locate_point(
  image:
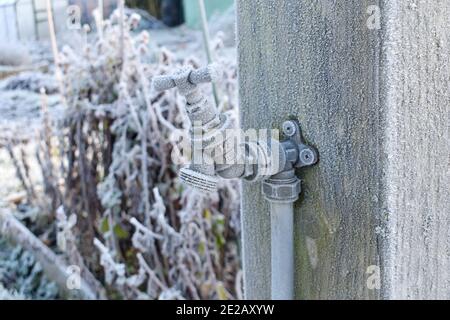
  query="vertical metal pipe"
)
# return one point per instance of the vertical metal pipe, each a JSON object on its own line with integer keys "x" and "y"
{"x": 282, "y": 250}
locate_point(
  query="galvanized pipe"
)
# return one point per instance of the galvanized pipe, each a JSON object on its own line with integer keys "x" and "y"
{"x": 282, "y": 250}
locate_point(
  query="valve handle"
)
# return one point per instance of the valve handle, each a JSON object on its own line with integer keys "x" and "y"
{"x": 202, "y": 75}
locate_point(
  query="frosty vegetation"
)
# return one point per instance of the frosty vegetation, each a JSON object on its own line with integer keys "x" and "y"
{"x": 111, "y": 202}
{"x": 23, "y": 276}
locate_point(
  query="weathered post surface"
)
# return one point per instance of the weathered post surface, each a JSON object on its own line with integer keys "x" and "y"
{"x": 375, "y": 102}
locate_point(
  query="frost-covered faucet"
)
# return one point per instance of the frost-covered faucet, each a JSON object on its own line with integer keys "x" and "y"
{"x": 219, "y": 153}
{"x": 206, "y": 122}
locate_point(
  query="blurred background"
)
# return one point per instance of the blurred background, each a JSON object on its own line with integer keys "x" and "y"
{"x": 26, "y": 19}
{"x": 90, "y": 203}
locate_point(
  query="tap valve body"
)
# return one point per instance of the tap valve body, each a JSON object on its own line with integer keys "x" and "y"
{"x": 218, "y": 152}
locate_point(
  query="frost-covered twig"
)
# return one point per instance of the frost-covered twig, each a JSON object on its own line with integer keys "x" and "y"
{"x": 44, "y": 157}
{"x": 67, "y": 243}
{"x": 114, "y": 272}
{"x": 207, "y": 43}
{"x": 20, "y": 173}
{"x": 52, "y": 32}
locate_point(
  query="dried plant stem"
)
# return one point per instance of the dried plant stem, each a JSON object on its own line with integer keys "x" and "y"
{"x": 151, "y": 273}
{"x": 50, "y": 177}
{"x": 26, "y": 168}
{"x": 122, "y": 28}
{"x": 100, "y": 19}
{"x": 207, "y": 44}
{"x": 20, "y": 174}
{"x": 52, "y": 32}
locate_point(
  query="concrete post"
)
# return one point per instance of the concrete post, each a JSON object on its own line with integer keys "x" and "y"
{"x": 369, "y": 81}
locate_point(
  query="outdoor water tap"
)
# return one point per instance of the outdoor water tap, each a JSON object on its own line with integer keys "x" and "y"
{"x": 218, "y": 153}
{"x": 273, "y": 162}
{"x": 207, "y": 123}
